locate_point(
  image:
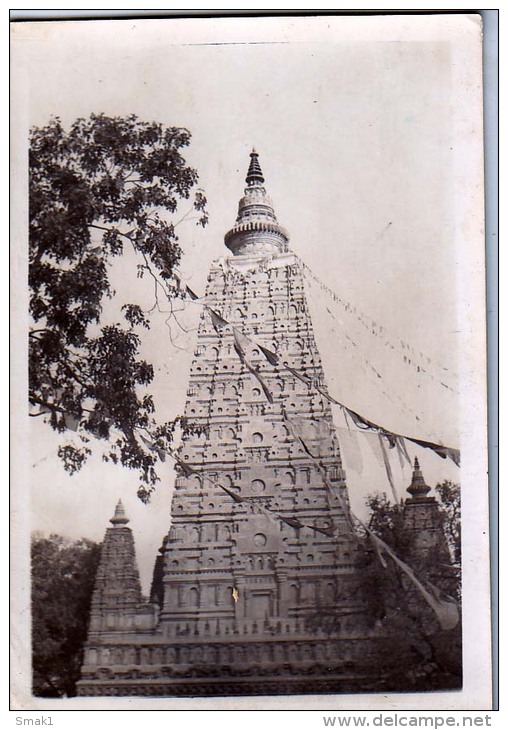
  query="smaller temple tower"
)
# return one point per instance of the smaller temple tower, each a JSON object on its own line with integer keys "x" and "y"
{"x": 424, "y": 522}
{"x": 428, "y": 554}
{"x": 120, "y": 616}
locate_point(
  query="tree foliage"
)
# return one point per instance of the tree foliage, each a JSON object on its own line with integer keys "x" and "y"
{"x": 63, "y": 574}
{"x": 105, "y": 185}
{"x": 449, "y": 497}
{"x": 386, "y": 520}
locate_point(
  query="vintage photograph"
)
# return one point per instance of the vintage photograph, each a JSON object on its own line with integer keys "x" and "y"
{"x": 250, "y": 411}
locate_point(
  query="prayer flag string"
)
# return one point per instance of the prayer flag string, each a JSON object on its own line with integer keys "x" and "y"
{"x": 417, "y": 360}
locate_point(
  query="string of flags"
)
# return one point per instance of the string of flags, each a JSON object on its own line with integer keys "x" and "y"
{"x": 410, "y": 356}
{"x": 253, "y": 503}
{"x": 394, "y": 440}
{"x": 367, "y": 367}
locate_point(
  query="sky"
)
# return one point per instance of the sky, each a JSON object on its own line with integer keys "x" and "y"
{"x": 367, "y": 143}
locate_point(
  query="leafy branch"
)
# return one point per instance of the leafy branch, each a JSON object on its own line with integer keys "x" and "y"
{"x": 106, "y": 181}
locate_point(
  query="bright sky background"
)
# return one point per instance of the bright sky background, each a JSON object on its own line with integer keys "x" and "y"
{"x": 362, "y": 141}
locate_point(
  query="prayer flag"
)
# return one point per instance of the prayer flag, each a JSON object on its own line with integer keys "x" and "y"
{"x": 241, "y": 340}
{"x": 217, "y": 321}
{"x": 270, "y": 356}
{"x": 241, "y": 354}
{"x": 388, "y": 467}
{"x": 351, "y": 450}
{"x": 299, "y": 375}
{"x": 231, "y": 494}
{"x": 328, "y": 531}
{"x": 401, "y": 448}
{"x": 187, "y": 470}
{"x": 71, "y": 421}
{"x": 442, "y": 451}
{"x": 291, "y": 521}
{"x": 147, "y": 443}
{"x": 446, "y": 610}
{"x": 192, "y": 294}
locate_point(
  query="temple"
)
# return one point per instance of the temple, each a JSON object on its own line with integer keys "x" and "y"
{"x": 427, "y": 549}
{"x": 255, "y": 588}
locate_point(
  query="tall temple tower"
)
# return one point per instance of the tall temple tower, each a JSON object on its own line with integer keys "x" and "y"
{"x": 254, "y": 589}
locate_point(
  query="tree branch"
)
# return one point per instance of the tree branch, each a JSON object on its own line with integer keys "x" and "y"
{"x": 33, "y": 399}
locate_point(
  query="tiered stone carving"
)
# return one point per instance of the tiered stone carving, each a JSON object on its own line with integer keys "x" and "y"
{"x": 219, "y": 549}
{"x": 119, "y": 616}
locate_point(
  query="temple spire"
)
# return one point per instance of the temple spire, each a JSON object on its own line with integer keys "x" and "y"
{"x": 119, "y": 518}
{"x": 418, "y": 488}
{"x": 256, "y": 230}
{"x": 254, "y": 173}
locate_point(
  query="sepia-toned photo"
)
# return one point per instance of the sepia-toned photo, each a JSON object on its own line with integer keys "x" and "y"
{"x": 250, "y": 454}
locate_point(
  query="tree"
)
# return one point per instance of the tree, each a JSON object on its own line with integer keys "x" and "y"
{"x": 386, "y": 520}
{"x": 106, "y": 184}
{"x": 63, "y": 574}
{"x": 449, "y": 497}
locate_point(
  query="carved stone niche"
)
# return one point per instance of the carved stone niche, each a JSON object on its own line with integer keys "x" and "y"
{"x": 260, "y": 535}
